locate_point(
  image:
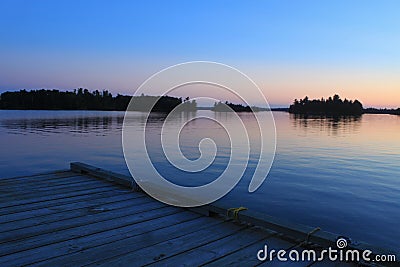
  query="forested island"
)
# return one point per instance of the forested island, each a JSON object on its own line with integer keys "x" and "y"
{"x": 331, "y": 106}
{"x": 82, "y": 99}
{"x": 229, "y": 107}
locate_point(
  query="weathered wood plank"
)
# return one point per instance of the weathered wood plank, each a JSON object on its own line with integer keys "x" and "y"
{"x": 214, "y": 250}
{"x": 151, "y": 232}
{"x": 117, "y": 178}
{"x": 41, "y": 179}
{"x": 24, "y": 219}
{"x": 55, "y": 222}
{"x": 24, "y": 193}
{"x": 51, "y": 190}
{"x": 58, "y": 202}
{"x": 17, "y": 185}
{"x": 86, "y": 226}
{"x": 36, "y": 175}
{"x": 248, "y": 255}
{"x": 159, "y": 220}
{"x": 76, "y": 192}
{"x": 173, "y": 246}
{"x": 244, "y": 257}
{"x": 53, "y": 176}
{"x": 129, "y": 244}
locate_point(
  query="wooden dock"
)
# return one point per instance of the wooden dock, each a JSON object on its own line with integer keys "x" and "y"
{"x": 86, "y": 216}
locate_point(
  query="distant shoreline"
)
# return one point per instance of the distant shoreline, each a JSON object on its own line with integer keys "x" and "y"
{"x": 286, "y": 110}
{"x": 82, "y": 99}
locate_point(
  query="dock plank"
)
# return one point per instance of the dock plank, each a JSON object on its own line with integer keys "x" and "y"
{"x": 76, "y": 192}
{"x": 29, "y": 192}
{"x": 173, "y": 246}
{"x": 246, "y": 255}
{"x": 57, "y": 202}
{"x": 27, "y": 218}
{"x": 42, "y": 226}
{"x": 85, "y": 227}
{"x": 31, "y": 187}
{"x": 70, "y": 247}
{"x": 47, "y": 179}
{"x": 215, "y": 250}
{"x": 136, "y": 241}
{"x": 48, "y": 254}
{"x": 38, "y": 176}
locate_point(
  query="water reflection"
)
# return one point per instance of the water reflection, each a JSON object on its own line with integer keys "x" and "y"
{"x": 328, "y": 124}
{"x": 72, "y": 125}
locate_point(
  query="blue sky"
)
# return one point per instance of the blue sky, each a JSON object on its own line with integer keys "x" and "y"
{"x": 290, "y": 48}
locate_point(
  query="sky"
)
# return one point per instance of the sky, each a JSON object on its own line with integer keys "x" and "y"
{"x": 289, "y": 48}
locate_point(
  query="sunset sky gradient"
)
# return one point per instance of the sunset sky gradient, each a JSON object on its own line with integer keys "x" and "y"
{"x": 289, "y": 48}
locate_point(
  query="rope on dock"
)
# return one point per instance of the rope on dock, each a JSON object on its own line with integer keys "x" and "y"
{"x": 235, "y": 212}
{"x": 309, "y": 234}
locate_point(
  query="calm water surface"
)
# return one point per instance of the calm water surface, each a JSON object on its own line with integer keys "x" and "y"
{"x": 342, "y": 175}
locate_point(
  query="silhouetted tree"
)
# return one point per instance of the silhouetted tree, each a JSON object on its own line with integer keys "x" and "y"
{"x": 332, "y": 106}
{"x": 82, "y": 99}
{"x": 227, "y": 107}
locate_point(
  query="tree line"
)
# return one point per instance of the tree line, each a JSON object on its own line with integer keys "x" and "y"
{"x": 229, "y": 107}
{"x": 331, "y": 106}
{"x": 82, "y": 99}
{"x": 382, "y": 111}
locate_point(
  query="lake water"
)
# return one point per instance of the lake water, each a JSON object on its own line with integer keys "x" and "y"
{"x": 342, "y": 175}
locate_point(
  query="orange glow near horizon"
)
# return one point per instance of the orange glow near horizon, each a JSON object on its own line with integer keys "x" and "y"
{"x": 281, "y": 84}
{"x": 380, "y": 90}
